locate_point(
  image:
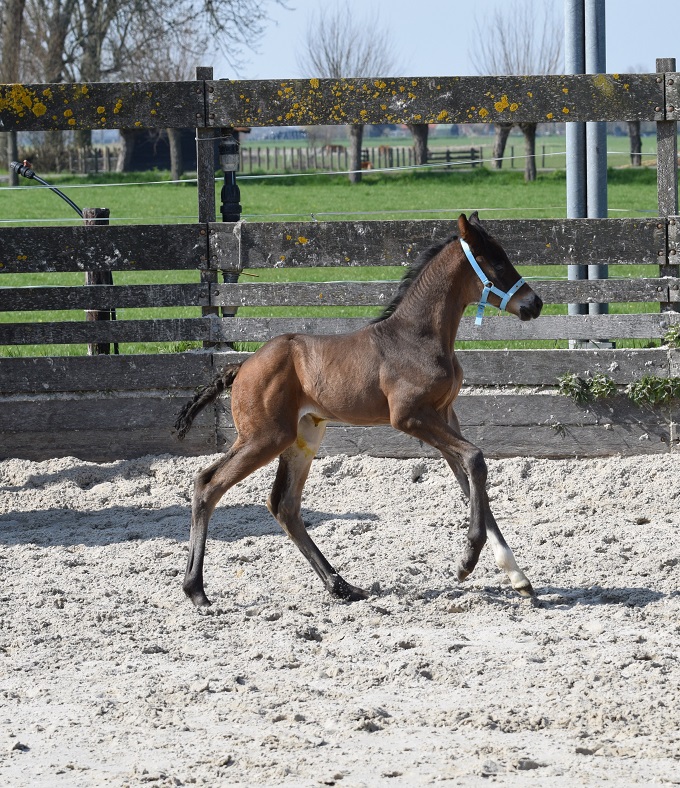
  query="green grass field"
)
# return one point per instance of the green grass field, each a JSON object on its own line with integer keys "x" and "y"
{"x": 410, "y": 195}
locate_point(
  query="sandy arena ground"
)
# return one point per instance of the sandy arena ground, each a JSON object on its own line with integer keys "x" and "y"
{"x": 108, "y": 676}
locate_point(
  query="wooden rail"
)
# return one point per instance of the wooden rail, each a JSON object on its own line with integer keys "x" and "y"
{"x": 105, "y": 407}
{"x": 533, "y": 98}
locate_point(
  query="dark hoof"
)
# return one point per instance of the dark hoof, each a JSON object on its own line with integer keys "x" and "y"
{"x": 198, "y": 597}
{"x": 341, "y": 589}
{"x": 462, "y": 573}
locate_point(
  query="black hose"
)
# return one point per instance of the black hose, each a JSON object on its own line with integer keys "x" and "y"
{"x": 27, "y": 172}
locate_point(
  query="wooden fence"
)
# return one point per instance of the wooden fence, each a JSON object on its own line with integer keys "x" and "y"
{"x": 333, "y": 158}
{"x": 106, "y": 407}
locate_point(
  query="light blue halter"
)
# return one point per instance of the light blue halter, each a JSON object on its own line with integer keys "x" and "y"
{"x": 489, "y": 287}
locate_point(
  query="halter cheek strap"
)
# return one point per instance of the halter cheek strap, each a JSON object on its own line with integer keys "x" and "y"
{"x": 489, "y": 287}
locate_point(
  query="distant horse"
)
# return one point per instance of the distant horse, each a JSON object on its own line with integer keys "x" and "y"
{"x": 400, "y": 369}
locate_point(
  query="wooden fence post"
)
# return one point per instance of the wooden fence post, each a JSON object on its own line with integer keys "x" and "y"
{"x": 91, "y": 218}
{"x": 667, "y": 179}
{"x": 205, "y": 176}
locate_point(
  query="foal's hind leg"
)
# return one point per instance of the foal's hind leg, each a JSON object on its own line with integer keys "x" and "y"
{"x": 211, "y": 484}
{"x": 284, "y": 504}
{"x": 501, "y": 551}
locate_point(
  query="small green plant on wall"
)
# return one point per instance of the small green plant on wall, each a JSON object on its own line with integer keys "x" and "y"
{"x": 582, "y": 390}
{"x": 653, "y": 390}
{"x": 650, "y": 390}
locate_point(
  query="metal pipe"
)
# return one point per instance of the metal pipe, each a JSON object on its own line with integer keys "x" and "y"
{"x": 596, "y": 133}
{"x": 574, "y": 63}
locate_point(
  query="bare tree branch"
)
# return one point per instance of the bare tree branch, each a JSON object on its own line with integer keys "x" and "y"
{"x": 523, "y": 37}
{"x": 337, "y": 45}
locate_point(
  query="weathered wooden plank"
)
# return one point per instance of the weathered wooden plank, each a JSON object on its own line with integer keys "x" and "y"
{"x": 380, "y": 293}
{"x": 245, "y": 329}
{"x": 526, "y": 409}
{"x": 604, "y": 291}
{"x": 544, "y": 367}
{"x": 15, "y": 299}
{"x": 108, "y": 411}
{"x": 496, "y": 442}
{"x": 189, "y": 370}
{"x": 555, "y": 411}
{"x": 98, "y": 446}
{"x": 168, "y": 330}
{"x": 396, "y": 243}
{"x": 635, "y": 326}
{"x": 237, "y": 329}
{"x": 115, "y": 248}
{"x": 171, "y": 372}
{"x": 672, "y": 93}
{"x": 487, "y": 99}
{"x": 629, "y": 326}
{"x": 304, "y": 293}
{"x": 674, "y": 359}
{"x": 101, "y": 105}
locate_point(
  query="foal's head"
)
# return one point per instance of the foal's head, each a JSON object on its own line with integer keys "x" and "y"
{"x": 498, "y": 270}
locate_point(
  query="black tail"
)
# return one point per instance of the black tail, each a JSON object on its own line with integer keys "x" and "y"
{"x": 205, "y": 396}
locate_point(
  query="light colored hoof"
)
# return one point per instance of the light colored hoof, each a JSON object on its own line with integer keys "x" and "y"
{"x": 525, "y": 589}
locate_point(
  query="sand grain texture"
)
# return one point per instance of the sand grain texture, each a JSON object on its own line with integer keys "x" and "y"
{"x": 108, "y": 676}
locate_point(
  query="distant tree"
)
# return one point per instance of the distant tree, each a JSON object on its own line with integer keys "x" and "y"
{"x": 420, "y": 132}
{"x": 164, "y": 61}
{"x": 98, "y": 40}
{"x": 338, "y": 44}
{"x": 11, "y": 23}
{"x": 522, "y": 37}
{"x": 634, "y": 129}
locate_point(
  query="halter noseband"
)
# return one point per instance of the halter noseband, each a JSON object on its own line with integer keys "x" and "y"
{"x": 489, "y": 287}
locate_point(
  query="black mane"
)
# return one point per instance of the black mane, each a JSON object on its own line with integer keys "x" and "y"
{"x": 411, "y": 275}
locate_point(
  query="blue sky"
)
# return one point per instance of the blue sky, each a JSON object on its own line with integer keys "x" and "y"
{"x": 432, "y": 37}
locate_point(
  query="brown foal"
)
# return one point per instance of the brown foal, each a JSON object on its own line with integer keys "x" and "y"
{"x": 400, "y": 369}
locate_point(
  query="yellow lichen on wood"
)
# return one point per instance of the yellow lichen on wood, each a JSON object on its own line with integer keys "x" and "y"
{"x": 17, "y": 99}
{"x": 603, "y": 84}
{"x": 503, "y": 104}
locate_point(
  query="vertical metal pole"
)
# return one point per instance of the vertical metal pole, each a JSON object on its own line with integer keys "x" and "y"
{"x": 667, "y": 176}
{"x": 596, "y": 133}
{"x": 575, "y": 63}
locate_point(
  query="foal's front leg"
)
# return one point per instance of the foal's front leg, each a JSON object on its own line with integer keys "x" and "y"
{"x": 428, "y": 425}
{"x": 502, "y": 553}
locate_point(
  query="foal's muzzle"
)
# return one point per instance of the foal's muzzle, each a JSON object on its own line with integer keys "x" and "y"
{"x": 530, "y": 308}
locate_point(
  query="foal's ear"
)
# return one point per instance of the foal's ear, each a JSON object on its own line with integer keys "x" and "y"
{"x": 463, "y": 225}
